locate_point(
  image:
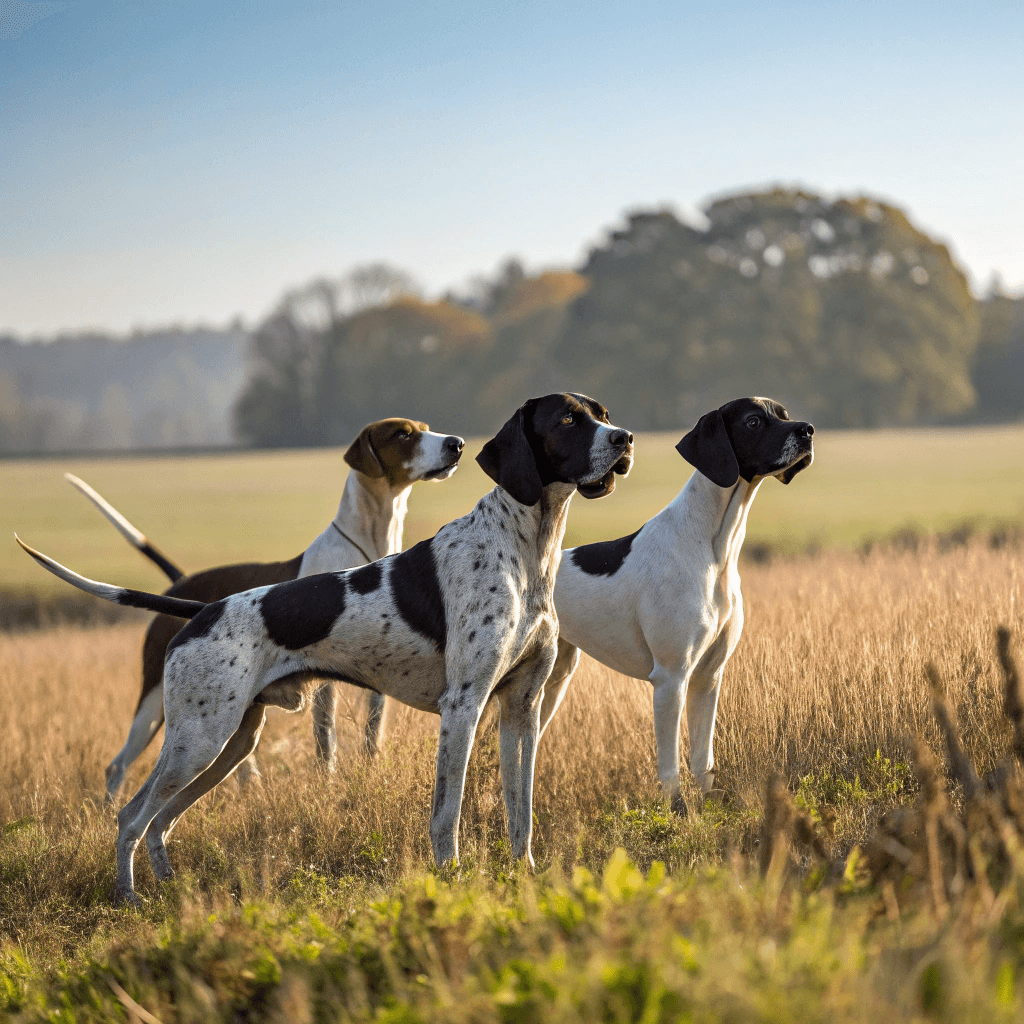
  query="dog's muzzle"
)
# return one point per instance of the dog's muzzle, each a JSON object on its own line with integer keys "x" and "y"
{"x": 452, "y": 447}
{"x": 606, "y": 484}
{"x": 802, "y": 453}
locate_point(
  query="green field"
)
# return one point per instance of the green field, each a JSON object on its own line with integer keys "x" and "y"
{"x": 208, "y": 509}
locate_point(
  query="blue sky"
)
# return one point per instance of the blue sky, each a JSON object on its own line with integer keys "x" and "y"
{"x": 185, "y": 162}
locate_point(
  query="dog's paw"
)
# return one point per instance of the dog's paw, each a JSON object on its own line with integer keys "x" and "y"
{"x": 129, "y": 900}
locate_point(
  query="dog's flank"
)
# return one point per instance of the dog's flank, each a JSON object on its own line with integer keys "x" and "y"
{"x": 491, "y": 575}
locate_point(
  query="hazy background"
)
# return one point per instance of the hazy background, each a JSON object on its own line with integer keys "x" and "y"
{"x": 170, "y": 171}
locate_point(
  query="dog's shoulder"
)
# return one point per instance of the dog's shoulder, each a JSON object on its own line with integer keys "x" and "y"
{"x": 603, "y": 558}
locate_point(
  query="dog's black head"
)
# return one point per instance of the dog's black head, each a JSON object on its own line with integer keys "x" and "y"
{"x": 748, "y": 437}
{"x": 558, "y": 438}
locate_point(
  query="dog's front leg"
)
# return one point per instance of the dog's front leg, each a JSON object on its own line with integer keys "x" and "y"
{"x": 521, "y": 696}
{"x": 701, "y": 710}
{"x": 459, "y": 718}
{"x": 566, "y": 662}
{"x": 669, "y": 698}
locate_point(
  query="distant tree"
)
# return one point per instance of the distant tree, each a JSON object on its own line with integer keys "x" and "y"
{"x": 278, "y": 405}
{"x": 998, "y": 364}
{"x": 842, "y": 308}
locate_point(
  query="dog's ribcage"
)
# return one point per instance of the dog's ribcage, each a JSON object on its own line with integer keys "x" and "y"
{"x": 448, "y": 609}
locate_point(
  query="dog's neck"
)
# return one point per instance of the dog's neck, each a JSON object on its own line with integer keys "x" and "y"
{"x": 719, "y": 513}
{"x": 541, "y": 526}
{"x": 371, "y": 513}
{"x": 552, "y": 514}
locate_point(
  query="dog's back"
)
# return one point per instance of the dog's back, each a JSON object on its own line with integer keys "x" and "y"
{"x": 206, "y": 586}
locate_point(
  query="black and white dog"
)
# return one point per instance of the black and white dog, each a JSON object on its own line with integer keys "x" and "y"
{"x": 442, "y": 627}
{"x": 664, "y": 603}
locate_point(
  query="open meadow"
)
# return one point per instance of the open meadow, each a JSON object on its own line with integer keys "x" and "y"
{"x": 210, "y": 509}
{"x": 307, "y": 897}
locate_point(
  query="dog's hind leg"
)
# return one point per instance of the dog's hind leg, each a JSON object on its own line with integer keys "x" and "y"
{"x": 373, "y": 734}
{"x": 181, "y": 759}
{"x": 325, "y": 704}
{"x": 147, "y": 721}
{"x": 566, "y": 662}
{"x": 236, "y": 751}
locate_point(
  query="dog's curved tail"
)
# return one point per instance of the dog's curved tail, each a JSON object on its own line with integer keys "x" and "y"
{"x": 135, "y": 537}
{"x": 119, "y": 595}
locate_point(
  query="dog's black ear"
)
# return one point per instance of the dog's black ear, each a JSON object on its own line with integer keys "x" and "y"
{"x": 509, "y": 461}
{"x": 708, "y": 449}
{"x": 363, "y": 457}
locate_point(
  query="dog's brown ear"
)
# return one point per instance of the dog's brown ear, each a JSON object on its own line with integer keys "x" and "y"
{"x": 363, "y": 457}
{"x": 708, "y": 449}
{"x": 509, "y": 461}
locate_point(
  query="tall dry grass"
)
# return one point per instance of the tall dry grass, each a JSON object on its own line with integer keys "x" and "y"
{"x": 828, "y": 675}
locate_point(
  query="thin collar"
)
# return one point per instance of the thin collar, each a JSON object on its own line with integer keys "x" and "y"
{"x": 352, "y": 542}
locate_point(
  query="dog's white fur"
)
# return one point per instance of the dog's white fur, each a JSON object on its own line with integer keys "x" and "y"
{"x": 671, "y": 614}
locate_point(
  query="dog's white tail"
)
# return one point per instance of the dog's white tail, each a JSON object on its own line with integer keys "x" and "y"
{"x": 134, "y": 536}
{"x": 119, "y": 595}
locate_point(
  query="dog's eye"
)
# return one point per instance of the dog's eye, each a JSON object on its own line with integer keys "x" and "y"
{"x": 568, "y": 419}
{"x": 403, "y": 435}
{"x": 754, "y": 422}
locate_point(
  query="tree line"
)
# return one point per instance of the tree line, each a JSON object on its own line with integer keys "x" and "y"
{"x": 842, "y": 309}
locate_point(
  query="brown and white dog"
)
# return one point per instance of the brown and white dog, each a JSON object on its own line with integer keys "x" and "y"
{"x": 387, "y": 458}
{"x": 443, "y": 627}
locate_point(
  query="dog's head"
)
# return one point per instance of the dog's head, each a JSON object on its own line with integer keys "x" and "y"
{"x": 404, "y": 451}
{"x": 748, "y": 437}
{"x": 562, "y": 438}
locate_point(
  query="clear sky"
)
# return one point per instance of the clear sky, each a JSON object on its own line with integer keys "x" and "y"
{"x": 186, "y": 161}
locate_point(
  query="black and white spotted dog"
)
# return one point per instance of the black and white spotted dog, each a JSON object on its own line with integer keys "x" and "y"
{"x": 442, "y": 627}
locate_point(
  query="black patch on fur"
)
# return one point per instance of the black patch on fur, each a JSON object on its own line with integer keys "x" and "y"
{"x": 201, "y": 626}
{"x": 417, "y": 593}
{"x": 302, "y": 612}
{"x": 604, "y": 558}
{"x": 366, "y": 579}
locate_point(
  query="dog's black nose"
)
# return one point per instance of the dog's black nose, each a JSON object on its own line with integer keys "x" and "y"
{"x": 805, "y": 429}
{"x": 620, "y": 438}
{"x": 453, "y": 444}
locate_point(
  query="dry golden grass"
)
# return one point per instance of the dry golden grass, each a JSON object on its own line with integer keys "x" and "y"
{"x": 829, "y": 673}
